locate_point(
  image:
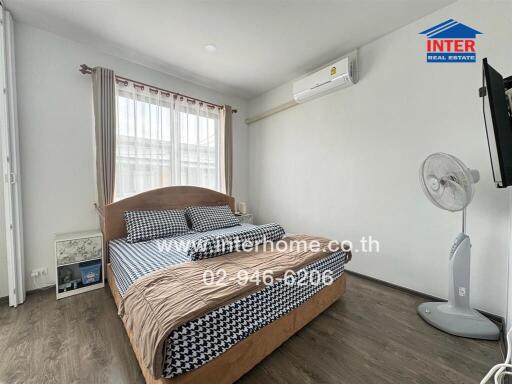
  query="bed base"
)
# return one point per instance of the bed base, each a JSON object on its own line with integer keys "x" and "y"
{"x": 243, "y": 356}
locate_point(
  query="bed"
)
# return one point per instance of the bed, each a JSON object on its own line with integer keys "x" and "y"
{"x": 220, "y": 345}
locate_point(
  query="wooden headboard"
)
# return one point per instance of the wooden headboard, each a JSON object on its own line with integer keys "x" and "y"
{"x": 162, "y": 198}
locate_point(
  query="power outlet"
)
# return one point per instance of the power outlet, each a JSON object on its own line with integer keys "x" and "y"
{"x": 39, "y": 272}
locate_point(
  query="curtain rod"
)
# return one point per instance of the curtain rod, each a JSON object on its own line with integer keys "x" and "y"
{"x": 86, "y": 70}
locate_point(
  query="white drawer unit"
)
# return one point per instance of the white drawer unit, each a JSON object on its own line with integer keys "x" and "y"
{"x": 78, "y": 263}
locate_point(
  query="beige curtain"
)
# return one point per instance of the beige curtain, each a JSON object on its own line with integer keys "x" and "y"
{"x": 226, "y": 136}
{"x": 103, "y": 88}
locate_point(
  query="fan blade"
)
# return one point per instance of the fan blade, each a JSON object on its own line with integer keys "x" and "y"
{"x": 456, "y": 195}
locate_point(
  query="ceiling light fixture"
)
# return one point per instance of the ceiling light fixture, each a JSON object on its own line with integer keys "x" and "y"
{"x": 210, "y": 48}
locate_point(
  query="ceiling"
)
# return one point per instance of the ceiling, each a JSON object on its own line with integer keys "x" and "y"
{"x": 260, "y": 43}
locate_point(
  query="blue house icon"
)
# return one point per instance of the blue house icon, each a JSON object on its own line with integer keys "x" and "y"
{"x": 451, "y": 29}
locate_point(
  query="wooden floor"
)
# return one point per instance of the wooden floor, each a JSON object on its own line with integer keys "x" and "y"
{"x": 371, "y": 335}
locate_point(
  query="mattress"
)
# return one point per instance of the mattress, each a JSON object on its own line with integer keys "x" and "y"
{"x": 131, "y": 261}
{"x": 198, "y": 341}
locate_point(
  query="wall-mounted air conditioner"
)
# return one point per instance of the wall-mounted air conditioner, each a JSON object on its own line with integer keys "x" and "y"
{"x": 340, "y": 74}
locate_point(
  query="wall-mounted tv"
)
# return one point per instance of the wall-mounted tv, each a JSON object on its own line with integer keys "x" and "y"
{"x": 496, "y": 93}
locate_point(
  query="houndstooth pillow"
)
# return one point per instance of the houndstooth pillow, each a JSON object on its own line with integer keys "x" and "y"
{"x": 210, "y": 218}
{"x": 147, "y": 225}
{"x": 217, "y": 245}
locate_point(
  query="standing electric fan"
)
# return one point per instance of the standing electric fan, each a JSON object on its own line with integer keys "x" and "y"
{"x": 448, "y": 184}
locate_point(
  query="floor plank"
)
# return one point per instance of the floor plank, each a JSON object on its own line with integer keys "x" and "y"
{"x": 371, "y": 335}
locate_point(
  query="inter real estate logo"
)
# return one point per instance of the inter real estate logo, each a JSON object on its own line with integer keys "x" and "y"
{"x": 451, "y": 42}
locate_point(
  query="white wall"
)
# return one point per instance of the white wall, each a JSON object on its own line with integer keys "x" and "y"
{"x": 346, "y": 165}
{"x": 56, "y": 125}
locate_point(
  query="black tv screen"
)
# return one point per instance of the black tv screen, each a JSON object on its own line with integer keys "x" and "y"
{"x": 498, "y": 123}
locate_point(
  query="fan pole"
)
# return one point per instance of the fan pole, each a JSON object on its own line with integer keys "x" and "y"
{"x": 464, "y": 220}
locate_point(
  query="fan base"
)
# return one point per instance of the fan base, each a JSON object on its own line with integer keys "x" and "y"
{"x": 458, "y": 322}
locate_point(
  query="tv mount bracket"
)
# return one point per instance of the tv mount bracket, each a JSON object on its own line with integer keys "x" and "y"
{"x": 507, "y": 83}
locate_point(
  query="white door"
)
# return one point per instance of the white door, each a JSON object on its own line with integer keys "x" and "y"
{"x": 4, "y": 287}
{"x": 10, "y": 163}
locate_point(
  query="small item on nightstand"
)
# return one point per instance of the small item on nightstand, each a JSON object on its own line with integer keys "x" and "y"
{"x": 242, "y": 207}
{"x": 90, "y": 272}
{"x": 69, "y": 286}
{"x": 65, "y": 275}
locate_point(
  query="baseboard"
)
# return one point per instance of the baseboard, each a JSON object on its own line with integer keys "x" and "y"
{"x": 36, "y": 290}
{"x": 31, "y": 292}
{"x": 5, "y": 299}
{"x": 497, "y": 319}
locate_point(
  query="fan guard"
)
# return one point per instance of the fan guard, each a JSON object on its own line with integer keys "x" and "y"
{"x": 447, "y": 182}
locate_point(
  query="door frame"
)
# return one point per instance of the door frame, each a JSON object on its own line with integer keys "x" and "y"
{"x": 9, "y": 141}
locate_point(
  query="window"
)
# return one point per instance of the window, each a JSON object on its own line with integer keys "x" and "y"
{"x": 163, "y": 141}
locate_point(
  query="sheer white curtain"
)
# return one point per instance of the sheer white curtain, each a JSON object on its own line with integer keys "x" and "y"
{"x": 163, "y": 140}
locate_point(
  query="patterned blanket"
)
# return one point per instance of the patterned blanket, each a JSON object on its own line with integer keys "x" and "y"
{"x": 159, "y": 302}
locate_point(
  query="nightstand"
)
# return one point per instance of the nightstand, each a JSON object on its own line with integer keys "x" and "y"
{"x": 78, "y": 263}
{"x": 245, "y": 218}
